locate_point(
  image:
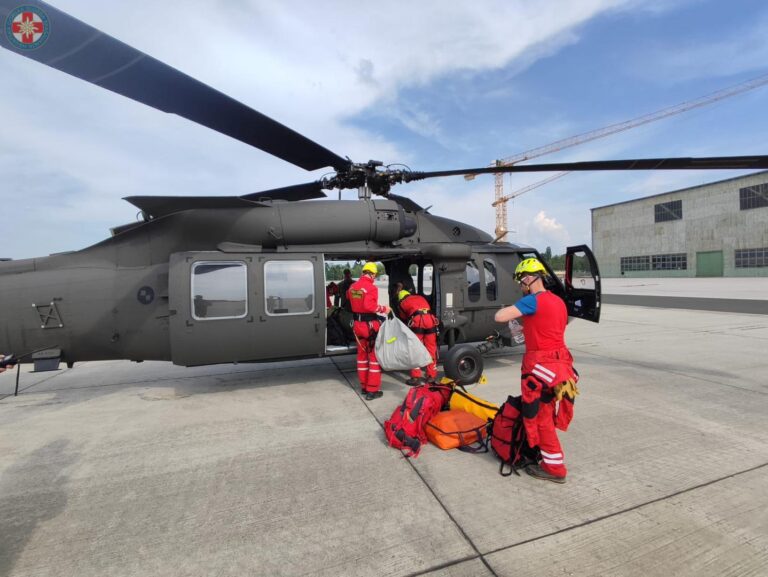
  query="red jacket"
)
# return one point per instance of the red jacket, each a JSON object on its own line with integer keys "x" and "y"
{"x": 415, "y": 311}
{"x": 363, "y": 295}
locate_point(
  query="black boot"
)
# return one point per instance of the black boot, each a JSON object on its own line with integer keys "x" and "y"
{"x": 373, "y": 395}
{"x": 537, "y": 472}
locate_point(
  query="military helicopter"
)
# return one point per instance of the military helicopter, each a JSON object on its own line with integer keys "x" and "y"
{"x": 222, "y": 279}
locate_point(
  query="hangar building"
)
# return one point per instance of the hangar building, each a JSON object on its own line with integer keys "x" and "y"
{"x": 715, "y": 229}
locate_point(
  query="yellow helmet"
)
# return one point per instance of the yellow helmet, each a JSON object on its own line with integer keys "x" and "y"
{"x": 529, "y": 266}
{"x": 371, "y": 267}
{"x": 402, "y": 294}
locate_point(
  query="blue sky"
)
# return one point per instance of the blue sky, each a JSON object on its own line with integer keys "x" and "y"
{"x": 434, "y": 85}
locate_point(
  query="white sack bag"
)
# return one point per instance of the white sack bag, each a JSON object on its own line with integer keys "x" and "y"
{"x": 398, "y": 349}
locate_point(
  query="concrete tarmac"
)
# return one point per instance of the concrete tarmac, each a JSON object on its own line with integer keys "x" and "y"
{"x": 734, "y": 295}
{"x": 744, "y": 288}
{"x": 120, "y": 469}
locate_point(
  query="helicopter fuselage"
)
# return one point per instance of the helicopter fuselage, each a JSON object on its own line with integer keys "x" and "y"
{"x": 203, "y": 286}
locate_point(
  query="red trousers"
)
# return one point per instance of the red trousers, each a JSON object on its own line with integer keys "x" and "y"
{"x": 542, "y": 370}
{"x": 368, "y": 369}
{"x": 430, "y": 342}
{"x": 552, "y": 458}
{"x": 421, "y": 325}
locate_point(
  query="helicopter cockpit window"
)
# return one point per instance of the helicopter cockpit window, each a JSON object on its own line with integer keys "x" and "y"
{"x": 473, "y": 281}
{"x": 219, "y": 290}
{"x": 490, "y": 279}
{"x": 289, "y": 287}
{"x": 582, "y": 275}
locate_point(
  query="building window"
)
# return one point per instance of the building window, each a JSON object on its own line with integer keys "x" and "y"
{"x": 669, "y": 261}
{"x": 289, "y": 287}
{"x": 751, "y": 257}
{"x": 668, "y": 211}
{"x": 634, "y": 263}
{"x": 753, "y": 197}
{"x": 219, "y": 290}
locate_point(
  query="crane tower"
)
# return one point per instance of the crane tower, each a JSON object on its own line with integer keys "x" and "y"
{"x": 500, "y": 200}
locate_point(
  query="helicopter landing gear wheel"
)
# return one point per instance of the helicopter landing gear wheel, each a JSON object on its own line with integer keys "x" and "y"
{"x": 464, "y": 364}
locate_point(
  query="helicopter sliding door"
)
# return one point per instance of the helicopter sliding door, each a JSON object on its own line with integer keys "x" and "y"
{"x": 233, "y": 307}
{"x": 290, "y": 318}
{"x": 582, "y": 283}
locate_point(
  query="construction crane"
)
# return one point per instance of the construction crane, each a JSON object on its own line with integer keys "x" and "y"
{"x": 500, "y": 201}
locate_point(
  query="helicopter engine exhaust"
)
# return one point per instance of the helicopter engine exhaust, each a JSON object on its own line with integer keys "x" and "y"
{"x": 285, "y": 223}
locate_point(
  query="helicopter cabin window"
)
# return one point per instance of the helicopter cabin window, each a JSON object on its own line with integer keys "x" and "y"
{"x": 490, "y": 279}
{"x": 427, "y": 272}
{"x": 219, "y": 290}
{"x": 289, "y": 287}
{"x": 473, "y": 281}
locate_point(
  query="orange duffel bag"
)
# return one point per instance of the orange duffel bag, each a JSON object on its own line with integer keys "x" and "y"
{"x": 456, "y": 429}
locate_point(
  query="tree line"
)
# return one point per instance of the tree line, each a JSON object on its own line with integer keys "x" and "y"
{"x": 335, "y": 271}
{"x": 557, "y": 261}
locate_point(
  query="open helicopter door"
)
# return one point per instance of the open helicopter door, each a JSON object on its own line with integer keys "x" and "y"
{"x": 238, "y": 307}
{"x": 582, "y": 283}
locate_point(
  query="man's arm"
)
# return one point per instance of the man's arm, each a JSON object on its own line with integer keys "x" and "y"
{"x": 507, "y": 314}
{"x": 525, "y": 306}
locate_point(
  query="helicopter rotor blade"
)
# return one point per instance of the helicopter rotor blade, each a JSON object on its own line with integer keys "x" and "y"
{"x": 703, "y": 163}
{"x": 71, "y": 46}
{"x": 158, "y": 206}
{"x": 296, "y": 192}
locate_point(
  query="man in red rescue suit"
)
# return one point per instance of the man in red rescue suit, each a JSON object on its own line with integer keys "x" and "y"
{"x": 363, "y": 295}
{"x": 548, "y": 378}
{"x": 414, "y": 310}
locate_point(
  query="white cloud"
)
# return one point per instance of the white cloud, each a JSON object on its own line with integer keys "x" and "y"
{"x": 309, "y": 65}
{"x": 546, "y": 224}
{"x": 73, "y": 150}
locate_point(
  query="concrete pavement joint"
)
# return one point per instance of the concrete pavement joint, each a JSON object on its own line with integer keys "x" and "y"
{"x": 21, "y": 390}
{"x": 450, "y": 564}
{"x": 436, "y": 497}
{"x": 628, "y": 509}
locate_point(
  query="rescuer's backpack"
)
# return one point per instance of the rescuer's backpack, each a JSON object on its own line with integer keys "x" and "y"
{"x": 406, "y": 428}
{"x": 335, "y": 334}
{"x": 339, "y": 326}
{"x": 508, "y": 438}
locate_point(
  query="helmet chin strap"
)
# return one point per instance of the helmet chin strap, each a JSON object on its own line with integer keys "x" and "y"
{"x": 527, "y": 285}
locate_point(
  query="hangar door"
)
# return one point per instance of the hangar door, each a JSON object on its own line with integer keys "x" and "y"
{"x": 709, "y": 263}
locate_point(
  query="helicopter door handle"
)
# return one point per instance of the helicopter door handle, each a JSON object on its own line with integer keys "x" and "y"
{"x": 190, "y": 324}
{"x": 250, "y": 319}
